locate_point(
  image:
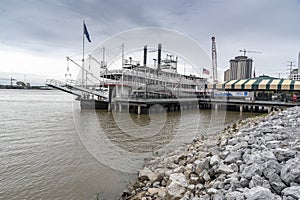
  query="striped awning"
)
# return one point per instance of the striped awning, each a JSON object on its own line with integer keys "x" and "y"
{"x": 260, "y": 83}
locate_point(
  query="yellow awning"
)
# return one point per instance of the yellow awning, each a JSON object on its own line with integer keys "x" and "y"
{"x": 248, "y": 85}
{"x": 229, "y": 84}
{"x": 286, "y": 85}
{"x": 263, "y": 84}
{"x": 210, "y": 86}
{"x": 297, "y": 85}
{"x": 239, "y": 84}
{"x": 274, "y": 84}
{"x": 219, "y": 86}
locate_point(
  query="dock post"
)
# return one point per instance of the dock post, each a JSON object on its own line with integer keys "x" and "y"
{"x": 120, "y": 107}
{"x": 115, "y": 107}
{"x": 139, "y": 109}
{"x": 216, "y": 106}
{"x": 241, "y": 108}
{"x": 109, "y": 107}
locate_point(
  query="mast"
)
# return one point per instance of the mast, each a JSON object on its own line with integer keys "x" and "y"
{"x": 145, "y": 65}
{"x": 103, "y": 54}
{"x": 103, "y": 66}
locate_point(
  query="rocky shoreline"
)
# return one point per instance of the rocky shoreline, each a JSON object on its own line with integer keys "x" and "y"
{"x": 258, "y": 158}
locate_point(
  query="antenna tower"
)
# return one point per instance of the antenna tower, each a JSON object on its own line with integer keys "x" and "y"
{"x": 290, "y": 67}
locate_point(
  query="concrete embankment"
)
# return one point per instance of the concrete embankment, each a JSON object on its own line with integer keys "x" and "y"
{"x": 258, "y": 158}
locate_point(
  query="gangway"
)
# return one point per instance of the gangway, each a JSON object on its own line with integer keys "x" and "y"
{"x": 74, "y": 87}
{"x": 61, "y": 86}
{"x": 100, "y": 93}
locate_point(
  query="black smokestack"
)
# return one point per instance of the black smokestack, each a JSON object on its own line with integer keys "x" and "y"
{"x": 159, "y": 57}
{"x": 145, "y": 55}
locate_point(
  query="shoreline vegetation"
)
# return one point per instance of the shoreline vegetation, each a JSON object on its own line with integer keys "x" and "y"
{"x": 257, "y": 158}
{"x": 25, "y": 87}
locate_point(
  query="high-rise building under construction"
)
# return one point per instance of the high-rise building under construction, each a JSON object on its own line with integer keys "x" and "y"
{"x": 240, "y": 67}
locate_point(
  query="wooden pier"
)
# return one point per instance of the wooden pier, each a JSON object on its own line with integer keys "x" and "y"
{"x": 141, "y": 105}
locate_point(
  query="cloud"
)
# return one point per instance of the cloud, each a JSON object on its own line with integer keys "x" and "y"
{"x": 54, "y": 27}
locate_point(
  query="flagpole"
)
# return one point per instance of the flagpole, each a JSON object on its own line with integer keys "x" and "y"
{"x": 82, "y": 54}
{"x": 122, "y": 69}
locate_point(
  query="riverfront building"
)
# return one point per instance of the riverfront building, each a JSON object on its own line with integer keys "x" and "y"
{"x": 295, "y": 74}
{"x": 227, "y": 75}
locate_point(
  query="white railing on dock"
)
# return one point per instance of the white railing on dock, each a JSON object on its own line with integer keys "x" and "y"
{"x": 100, "y": 93}
{"x": 55, "y": 82}
{"x": 73, "y": 82}
{"x": 62, "y": 83}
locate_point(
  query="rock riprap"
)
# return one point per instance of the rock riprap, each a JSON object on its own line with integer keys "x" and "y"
{"x": 257, "y": 158}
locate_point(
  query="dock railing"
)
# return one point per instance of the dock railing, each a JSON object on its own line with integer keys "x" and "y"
{"x": 55, "y": 82}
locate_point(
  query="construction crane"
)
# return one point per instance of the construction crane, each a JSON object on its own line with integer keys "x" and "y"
{"x": 247, "y": 51}
{"x": 9, "y": 79}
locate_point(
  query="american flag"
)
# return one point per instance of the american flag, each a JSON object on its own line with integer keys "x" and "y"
{"x": 205, "y": 71}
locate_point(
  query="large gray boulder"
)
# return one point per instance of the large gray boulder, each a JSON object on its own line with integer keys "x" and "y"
{"x": 225, "y": 169}
{"x": 177, "y": 188}
{"x": 234, "y": 196}
{"x": 179, "y": 178}
{"x": 293, "y": 191}
{"x": 271, "y": 167}
{"x": 147, "y": 174}
{"x": 252, "y": 170}
{"x": 218, "y": 196}
{"x": 276, "y": 183}
{"x": 233, "y": 156}
{"x": 260, "y": 193}
{"x": 214, "y": 160}
{"x": 256, "y": 181}
{"x": 239, "y": 146}
{"x": 202, "y": 165}
{"x": 290, "y": 172}
{"x": 175, "y": 191}
{"x": 283, "y": 154}
{"x": 161, "y": 192}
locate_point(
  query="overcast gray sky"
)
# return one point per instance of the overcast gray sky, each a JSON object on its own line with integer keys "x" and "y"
{"x": 36, "y": 35}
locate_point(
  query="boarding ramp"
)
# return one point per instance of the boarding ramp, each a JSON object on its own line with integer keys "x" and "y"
{"x": 59, "y": 85}
{"x": 98, "y": 93}
{"x": 75, "y": 87}
{"x": 93, "y": 90}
